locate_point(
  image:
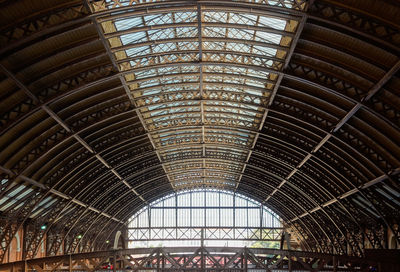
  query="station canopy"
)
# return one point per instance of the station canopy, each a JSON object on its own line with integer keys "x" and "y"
{"x": 109, "y": 105}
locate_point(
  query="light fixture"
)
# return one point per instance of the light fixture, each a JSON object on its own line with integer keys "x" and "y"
{"x": 79, "y": 236}
{"x": 43, "y": 227}
{"x": 108, "y": 241}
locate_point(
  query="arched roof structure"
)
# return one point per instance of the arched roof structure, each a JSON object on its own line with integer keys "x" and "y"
{"x": 108, "y": 105}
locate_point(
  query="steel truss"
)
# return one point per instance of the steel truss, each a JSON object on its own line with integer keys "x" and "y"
{"x": 196, "y": 259}
{"x": 322, "y": 152}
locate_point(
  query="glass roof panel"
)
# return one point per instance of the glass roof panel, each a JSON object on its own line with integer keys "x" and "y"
{"x": 201, "y": 86}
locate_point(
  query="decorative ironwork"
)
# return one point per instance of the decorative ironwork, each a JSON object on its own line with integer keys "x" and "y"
{"x": 351, "y": 19}
{"x": 33, "y": 27}
{"x": 200, "y": 258}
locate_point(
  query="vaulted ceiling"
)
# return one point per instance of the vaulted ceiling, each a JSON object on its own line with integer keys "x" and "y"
{"x": 109, "y": 105}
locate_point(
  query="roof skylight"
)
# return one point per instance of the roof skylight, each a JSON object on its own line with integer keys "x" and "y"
{"x": 201, "y": 78}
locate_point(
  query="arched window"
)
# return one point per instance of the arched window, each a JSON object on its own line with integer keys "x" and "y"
{"x": 213, "y": 216}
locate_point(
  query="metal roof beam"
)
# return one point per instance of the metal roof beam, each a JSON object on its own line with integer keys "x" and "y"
{"x": 189, "y": 74}
{"x": 196, "y": 64}
{"x": 211, "y": 83}
{"x": 195, "y": 24}
{"x": 355, "y": 108}
{"x": 177, "y": 6}
{"x": 276, "y": 86}
{"x": 60, "y": 121}
{"x": 349, "y": 193}
{"x": 122, "y": 79}
{"x": 196, "y": 39}
{"x": 56, "y": 193}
